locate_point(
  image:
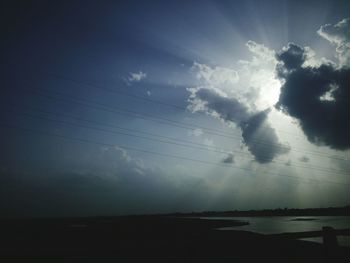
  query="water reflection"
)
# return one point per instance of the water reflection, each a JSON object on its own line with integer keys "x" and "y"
{"x": 283, "y": 224}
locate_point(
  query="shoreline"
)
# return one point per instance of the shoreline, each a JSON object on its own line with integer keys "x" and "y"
{"x": 160, "y": 239}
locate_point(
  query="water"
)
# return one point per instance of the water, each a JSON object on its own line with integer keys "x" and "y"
{"x": 284, "y": 224}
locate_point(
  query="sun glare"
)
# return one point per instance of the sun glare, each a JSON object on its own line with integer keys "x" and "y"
{"x": 270, "y": 90}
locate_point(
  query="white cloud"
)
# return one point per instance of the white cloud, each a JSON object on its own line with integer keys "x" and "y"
{"x": 136, "y": 76}
{"x": 196, "y": 132}
{"x": 115, "y": 161}
{"x": 260, "y": 87}
{"x": 338, "y": 35}
{"x": 215, "y": 75}
{"x": 253, "y": 83}
{"x": 262, "y": 54}
{"x": 219, "y": 79}
{"x": 241, "y": 97}
{"x": 312, "y": 60}
{"x": 329, "y": 95}
{"x": 208, "y": 142}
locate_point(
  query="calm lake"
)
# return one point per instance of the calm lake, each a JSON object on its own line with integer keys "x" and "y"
{"x": 283, "y": 224}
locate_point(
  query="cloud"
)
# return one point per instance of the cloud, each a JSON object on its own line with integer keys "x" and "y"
{"x": 317, "y": 96}
{"x": 196, "y": 132}
{"x": 262, "y": 54}
{"x": 136, "y": 76}
{"x": 215, "y": 75}
{"x": 241, "y": 97}
{"x": 259, "y": 84}
{"x": 259, "y": 137}
{"x": 304, "y": 159}
{"x": 228, "y": 159}
{"x": 338, "y": 35}
{"x": 116, "y": 162}
{"x": 217, "y": 105}
{"x": 109, "y": 182}
{"x": 208, "y": 142}
{"x": 252, "y": 83}
{"x": 292, "y": 56}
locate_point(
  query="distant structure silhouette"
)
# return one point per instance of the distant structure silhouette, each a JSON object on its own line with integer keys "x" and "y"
{"x": 330, "y": 243}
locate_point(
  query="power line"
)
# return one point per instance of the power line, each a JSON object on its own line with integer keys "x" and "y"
{"x": 321, "y": 169}
{"x": 93, "y": 85}
{"x": 116, "y": 127}
{"x": 107, "y": 108}
{"x": 116, "y": 109}
{"x": 132, "y": 95}
{"x": 167, "y": 155}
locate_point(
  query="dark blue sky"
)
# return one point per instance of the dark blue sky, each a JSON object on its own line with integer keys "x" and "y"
{"x": 163, "y": 106}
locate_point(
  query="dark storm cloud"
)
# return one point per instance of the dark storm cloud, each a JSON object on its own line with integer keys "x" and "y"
{"x": 317, "y": 96}
{"x": 292, "y": 59}
{"x": 259, "y": 137}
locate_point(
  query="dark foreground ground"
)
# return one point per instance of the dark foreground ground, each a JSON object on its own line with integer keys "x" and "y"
{"x": 150, "y": 239}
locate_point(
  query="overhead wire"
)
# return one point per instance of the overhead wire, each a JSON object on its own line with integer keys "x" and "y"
{"x": 118, "y": 90}
{"x": 169, "y": 140}
{"x": 165, "y": 121}
{"x": 166, "y": 155}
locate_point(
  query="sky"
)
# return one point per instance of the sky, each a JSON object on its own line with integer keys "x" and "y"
{"x": 140, "y": 107}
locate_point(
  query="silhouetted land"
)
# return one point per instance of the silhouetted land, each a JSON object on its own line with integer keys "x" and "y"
{"x": 303, "y": 219}
{"x": 150, "y": 239}
{"x": 330, "y": 211}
